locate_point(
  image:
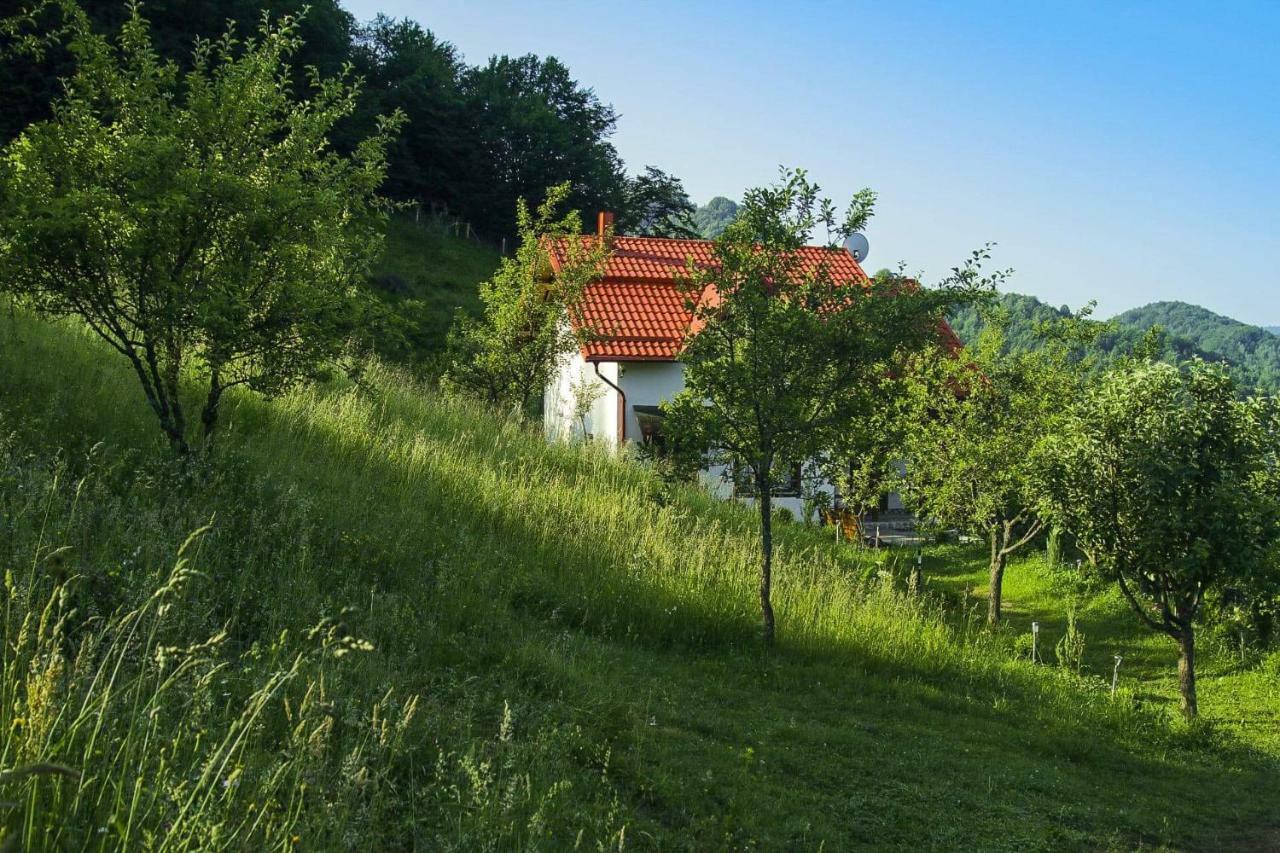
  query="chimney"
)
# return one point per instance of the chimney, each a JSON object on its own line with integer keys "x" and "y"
{"x": 604, "y": 228}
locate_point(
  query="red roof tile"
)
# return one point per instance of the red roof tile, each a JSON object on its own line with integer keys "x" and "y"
{"x": 636, "y": 309}
{"x": 635, "y": 320}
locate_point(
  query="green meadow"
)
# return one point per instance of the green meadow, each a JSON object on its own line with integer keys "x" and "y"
{"x": 375, "y": 618}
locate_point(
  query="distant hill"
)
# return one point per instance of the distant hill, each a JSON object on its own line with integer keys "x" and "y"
{"x": 1251, "y": 352}
{"x": 713, "y": 217}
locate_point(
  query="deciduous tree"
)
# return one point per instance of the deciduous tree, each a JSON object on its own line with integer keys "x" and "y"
{"x": 785, "y": 351}
{"x": 535, "y": 126}
{"x": 1169, "y": 482}
{"x": 656, "y": 205}
{"x": 973, "y": 419}
{"x": 507, "y": 356}
{"x": 410, "y": 70}
{"x": 197, "y": 221}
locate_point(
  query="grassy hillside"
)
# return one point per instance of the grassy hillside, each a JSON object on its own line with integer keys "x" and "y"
{"x": 1251, "y": 353}
{"x": 397, "y": 622}
{"x": 426, "y": 273}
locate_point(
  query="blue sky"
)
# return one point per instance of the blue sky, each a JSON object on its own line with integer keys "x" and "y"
{"x": 1124, "y": 152}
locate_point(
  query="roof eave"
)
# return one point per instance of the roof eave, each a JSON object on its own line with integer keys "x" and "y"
{"x": 604, "y": 358}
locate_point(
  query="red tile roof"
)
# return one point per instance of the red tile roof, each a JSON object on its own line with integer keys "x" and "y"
{"x": 636, "y": 309}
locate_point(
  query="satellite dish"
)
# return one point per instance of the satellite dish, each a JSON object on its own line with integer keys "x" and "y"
{"x": 858, "y": 246}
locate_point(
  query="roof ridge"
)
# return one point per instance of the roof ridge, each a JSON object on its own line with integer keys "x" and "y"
{"x": 668, "y": 239}
{"x": 710, "y": 242}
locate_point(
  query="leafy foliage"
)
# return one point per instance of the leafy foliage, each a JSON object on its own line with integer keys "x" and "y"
{"x": 30, "y": 83}
{"x": 409, "y": 70}
{"x": 507, "y": 357}
{"x": 198, "y": 221}
{"x": 1170, "y": 484}
{"x": 537, "y": 127}
{"x": 973, "y": 418}
{"x": 656, "y": 205}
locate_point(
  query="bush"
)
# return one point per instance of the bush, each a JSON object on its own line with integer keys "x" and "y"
{"x": 1070, "y": 649}
{"x": 1271, "y": 664}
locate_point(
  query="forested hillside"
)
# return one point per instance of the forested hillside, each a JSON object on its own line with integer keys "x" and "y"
{"x": 1252, "y": 353}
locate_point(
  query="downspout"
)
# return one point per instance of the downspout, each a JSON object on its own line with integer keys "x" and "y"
{"x": 622, "y": 404}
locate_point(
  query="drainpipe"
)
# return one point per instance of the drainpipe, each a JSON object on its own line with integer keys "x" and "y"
{"x": 622, "y": 404}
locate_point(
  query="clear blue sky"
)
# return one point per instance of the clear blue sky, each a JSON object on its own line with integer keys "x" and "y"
{"x": 1124, "y": 152}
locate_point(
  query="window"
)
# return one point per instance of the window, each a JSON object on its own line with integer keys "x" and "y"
{"x": 651, "y": 434}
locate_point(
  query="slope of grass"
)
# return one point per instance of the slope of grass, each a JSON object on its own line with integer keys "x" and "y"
{"x": 426, "y": 273}
{"x": 400, "y": 622}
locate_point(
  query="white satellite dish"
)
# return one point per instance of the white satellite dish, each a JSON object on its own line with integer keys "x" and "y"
{"x": 858, "y": 246}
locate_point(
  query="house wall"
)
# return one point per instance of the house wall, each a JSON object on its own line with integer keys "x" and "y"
{"x": 895, "y": 500}
{"x": 647, "y": 383}
{"x": 720, "y": 480}
{"x": 650, "y": 383}
{"x": 559, "y": 399}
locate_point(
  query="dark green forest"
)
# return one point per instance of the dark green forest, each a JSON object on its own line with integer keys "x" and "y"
{"x": 478, "y": 136}
{"x": 1252, "y": 353}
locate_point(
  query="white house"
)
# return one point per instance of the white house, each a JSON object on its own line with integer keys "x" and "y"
{"x": 639, "y": 322}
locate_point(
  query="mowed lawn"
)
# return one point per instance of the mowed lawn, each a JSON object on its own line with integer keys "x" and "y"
{"x": 1238, "y": 688}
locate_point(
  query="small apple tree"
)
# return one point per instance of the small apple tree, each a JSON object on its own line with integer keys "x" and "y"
{"x": 506, "y": 356}
{"x": 974, "y": 417}
{"x": 199, "y": 222}
{"x": 785, "y": 355}
{"x": 1171, "y": 484}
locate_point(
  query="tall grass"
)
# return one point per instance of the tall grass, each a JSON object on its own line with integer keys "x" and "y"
{"x": 575, "y": 535}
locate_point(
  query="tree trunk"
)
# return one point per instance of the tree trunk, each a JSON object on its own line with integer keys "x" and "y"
{"x": 1187, "y": 671}
{"x": 994, "y": 593}
{"x": 173, "y": 390}
{"x": 173, "y": 423}
{"x": 158, "y": 397}
{"x": 177, "y": 440}
{"x": 209, "y": 415}
{"x": 765, "y": 500}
